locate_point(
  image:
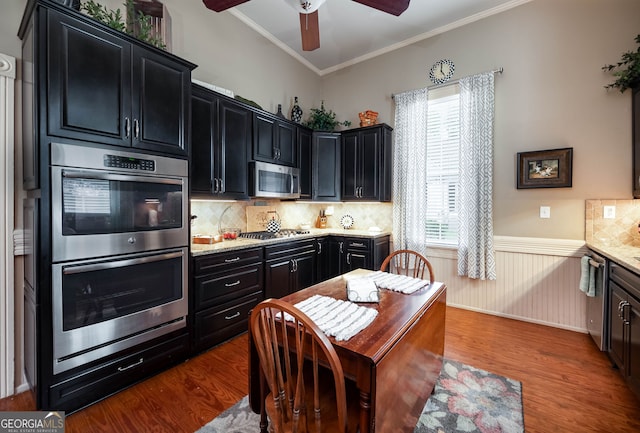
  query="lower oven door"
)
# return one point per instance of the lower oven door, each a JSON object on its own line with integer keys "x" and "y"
{"x": 103, "y": 306}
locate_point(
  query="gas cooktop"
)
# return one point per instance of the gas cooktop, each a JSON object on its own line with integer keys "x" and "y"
{"x": 283, "y": 233}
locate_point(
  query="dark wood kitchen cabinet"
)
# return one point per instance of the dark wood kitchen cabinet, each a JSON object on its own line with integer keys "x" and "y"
{"x": 326, "y": 166}
{"x": 289, "y": 267}
{"x": 635, "y": 132}
{"x": 340, "y": 254}
{"x": 366, "y": 253}
{"x": 305, "y": 161}
{"x": 105, "y": 87}
{"x": 221, "y": 141}
{"x": 274, "y": 139}
{"x": 329, "y": 258}
{"x": 226, "y": 287}
{"x": 367, "y": 163}
{"x": 624, "y": 325}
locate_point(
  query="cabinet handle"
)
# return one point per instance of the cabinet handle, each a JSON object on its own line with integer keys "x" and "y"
{"x": 357, "y": 244}
{"x": 319, "y": 248}
{"x": 625, "y": 317}
{"x": 136, "y": 128}
{"x": 232, "y": 316}
{"x": 215, "y": 185}
{"x": 348, "y": 258}
{"x": 127, "y": 127}
{"x": 341, "y": 244}
{"x": 232, "y": 260}
{"x": 275, "y": 152}
{"x": 232, "y": 284}
{"x": 221, "y": 186}
{"x": 140, "y": 361}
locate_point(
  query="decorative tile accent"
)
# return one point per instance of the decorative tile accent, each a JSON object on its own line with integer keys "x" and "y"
{"x": 619, "y": 231}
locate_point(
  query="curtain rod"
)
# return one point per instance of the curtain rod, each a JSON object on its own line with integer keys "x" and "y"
{"x": 448, "y": 83}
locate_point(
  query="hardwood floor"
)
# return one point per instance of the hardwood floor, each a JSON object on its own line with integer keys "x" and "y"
{"x": 568, "y": 385}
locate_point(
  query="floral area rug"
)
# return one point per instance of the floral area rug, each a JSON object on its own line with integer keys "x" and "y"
{"x": 465, "y": 399}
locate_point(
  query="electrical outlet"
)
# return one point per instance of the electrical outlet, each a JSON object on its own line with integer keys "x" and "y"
{"x": 545, "y": 212}
{"x": 609, "y": 212}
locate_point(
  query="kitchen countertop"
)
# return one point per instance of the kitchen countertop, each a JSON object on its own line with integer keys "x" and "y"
{"x": 622, "y": 254}
{"x": 242, "y": 243}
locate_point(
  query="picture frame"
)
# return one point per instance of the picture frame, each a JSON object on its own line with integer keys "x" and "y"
{"x": 551, "y": 168}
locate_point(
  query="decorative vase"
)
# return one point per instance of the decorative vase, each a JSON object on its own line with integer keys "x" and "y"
{"x": 279, "y": 113}
{"x": 296, "y": 111}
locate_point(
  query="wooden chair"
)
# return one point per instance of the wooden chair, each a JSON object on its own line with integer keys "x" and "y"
{"x": 303, "y": 395}
{"x": 408, "y": 262}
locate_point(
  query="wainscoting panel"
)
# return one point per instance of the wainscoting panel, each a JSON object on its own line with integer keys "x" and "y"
{"x": 537, "y": 281}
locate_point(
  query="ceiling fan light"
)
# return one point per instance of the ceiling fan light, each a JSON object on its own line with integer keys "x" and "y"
{"x": 305, "y": 6}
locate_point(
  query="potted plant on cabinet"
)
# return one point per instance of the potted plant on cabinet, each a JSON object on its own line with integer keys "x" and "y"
{"x": 626, "y": 71}
{"x": 323, "y": 120}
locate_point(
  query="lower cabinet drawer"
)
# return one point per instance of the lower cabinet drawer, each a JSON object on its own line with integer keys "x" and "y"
{"x": 218, "y": 324}
{"x": 227, "y": 286}
{"x": 103, "y": 380}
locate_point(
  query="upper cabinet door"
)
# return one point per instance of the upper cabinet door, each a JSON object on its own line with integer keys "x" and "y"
{"x": 275, "y": 140}
{"x": 203, "y": 112}
{"x": 234, "y": 143}
{"x": 89, "y": 82}
{"x": 106, "y": 89}
{"x": 287, "y": 141}
{"x": 369, "y": 151}
{"x": 161, "y": 93}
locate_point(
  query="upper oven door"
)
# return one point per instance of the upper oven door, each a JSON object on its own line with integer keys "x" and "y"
{"x": 97, "y": 213}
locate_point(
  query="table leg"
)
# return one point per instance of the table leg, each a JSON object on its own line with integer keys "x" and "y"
{"x": 365, "y": 412}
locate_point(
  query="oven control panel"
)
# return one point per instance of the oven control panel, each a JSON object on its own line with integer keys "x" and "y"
{"x": 116, "y": 161}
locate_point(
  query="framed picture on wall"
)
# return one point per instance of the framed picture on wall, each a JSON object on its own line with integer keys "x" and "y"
{"x": 545, "y": 168}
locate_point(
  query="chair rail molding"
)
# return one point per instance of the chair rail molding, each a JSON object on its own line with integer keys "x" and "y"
{"x": 7, "y": 124}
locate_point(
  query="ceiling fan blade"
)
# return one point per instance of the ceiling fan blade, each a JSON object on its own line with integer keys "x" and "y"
{"x": 310, "y": 31}
{"x": 222, "y": 5}
{"x": 393, "y": 7}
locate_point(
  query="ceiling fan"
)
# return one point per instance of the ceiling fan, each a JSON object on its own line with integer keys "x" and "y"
{"x": 308, "y": 10}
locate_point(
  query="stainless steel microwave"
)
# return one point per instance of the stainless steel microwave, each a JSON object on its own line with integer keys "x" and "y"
{"x": 273, "y": 180}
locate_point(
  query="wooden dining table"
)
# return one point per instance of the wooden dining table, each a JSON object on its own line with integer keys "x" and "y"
{"x": 394, "y": 362}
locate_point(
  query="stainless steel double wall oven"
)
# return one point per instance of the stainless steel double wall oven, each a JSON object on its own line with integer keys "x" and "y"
{"x": 119, "y": 250}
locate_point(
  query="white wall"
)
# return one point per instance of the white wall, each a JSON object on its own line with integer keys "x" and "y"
{"x": 550, "y": 95}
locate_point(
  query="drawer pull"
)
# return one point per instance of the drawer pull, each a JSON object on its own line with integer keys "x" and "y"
{"x": 132, "y": 365}
{"x": 232, "y": 284}
{"x": 233, "y": 316}
{"x": 231, "y": 260}
{"x": 357, "y": 244}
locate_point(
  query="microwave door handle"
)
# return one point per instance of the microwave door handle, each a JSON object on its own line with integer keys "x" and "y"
{"x": 122, "y": 177}
{"x": 70, "y": 270}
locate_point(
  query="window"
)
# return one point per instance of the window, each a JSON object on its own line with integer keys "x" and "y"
{"x": 443, "y": 144}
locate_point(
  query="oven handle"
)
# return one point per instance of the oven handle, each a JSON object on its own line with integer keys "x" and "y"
{"x": 119, "y": 264}
{"x": 109, "y": 176}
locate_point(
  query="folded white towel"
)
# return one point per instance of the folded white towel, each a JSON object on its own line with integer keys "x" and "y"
{"x": 335, "y": 317}
{"x": 398, "y": 283}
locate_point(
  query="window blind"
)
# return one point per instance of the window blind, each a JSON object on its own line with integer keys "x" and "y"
{"x": 443, "y": 144}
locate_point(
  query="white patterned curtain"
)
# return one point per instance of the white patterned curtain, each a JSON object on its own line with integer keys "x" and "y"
{"x": 409, "y": 167}
{"x": 476, "y": 257}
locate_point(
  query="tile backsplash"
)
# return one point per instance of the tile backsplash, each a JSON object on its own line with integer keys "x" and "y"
{"x": 248, "y": 216}
{"x": 618, "y": 231}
